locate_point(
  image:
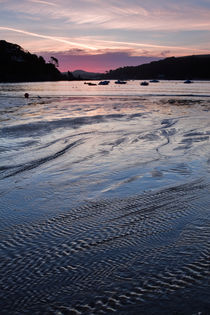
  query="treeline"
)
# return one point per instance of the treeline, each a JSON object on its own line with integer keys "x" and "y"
{"x": 18, "y": 65}
{"x": 173, "y": 68}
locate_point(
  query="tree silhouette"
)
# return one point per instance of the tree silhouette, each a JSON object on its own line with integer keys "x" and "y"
{"x": 54, "y": 61}
{"x": 18, "y": 65}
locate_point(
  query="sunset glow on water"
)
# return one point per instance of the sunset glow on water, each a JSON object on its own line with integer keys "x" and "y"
{"x": 104, "y": 188}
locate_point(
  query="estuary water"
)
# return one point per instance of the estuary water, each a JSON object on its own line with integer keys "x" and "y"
{"x": 104, "y": 198}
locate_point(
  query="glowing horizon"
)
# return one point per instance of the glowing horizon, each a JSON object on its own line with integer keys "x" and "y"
{"x": 89, "y": 28}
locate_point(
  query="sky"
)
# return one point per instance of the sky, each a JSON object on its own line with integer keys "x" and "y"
{"x": 97, "y": 36}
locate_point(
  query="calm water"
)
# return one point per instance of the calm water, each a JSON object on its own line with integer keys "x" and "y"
{"x": 104, "y": 198}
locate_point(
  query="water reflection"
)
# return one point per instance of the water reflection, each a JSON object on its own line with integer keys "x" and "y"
{"x": 99, "y": 195}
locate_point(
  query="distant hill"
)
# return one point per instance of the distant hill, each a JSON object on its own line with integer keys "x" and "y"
{"x": 18, "y": 65}
{"x": 86, "y": 75}
{"x": 176, "y": 68}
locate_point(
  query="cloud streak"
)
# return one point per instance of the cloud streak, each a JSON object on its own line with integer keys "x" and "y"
{"x": 110, "y": 14}
{"x": 150, "y": 28}
{"x": 99, "y": 45}
{"x": 44, "y": 2}
{"x": 47, "y": 37}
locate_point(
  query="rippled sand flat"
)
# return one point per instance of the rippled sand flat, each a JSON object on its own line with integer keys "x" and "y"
{"x": 105, "y": 203}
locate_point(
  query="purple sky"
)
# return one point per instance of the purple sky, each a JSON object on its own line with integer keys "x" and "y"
{"x": 97, "y": 63}
{"x": 98, "y": 35}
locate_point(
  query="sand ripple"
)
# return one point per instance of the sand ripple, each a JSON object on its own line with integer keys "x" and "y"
{"x": 108, "y": 256}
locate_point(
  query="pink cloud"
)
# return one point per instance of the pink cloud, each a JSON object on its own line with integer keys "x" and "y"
{"x": 96, "y": 63}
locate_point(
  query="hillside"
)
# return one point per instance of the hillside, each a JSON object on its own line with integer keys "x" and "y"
{"x": 176, "y": 68}
{"x": 18, "y": 65}
{"x": 86, "y": 75}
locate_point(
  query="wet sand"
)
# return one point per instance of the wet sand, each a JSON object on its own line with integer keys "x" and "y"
{"x": 104, "y": 202}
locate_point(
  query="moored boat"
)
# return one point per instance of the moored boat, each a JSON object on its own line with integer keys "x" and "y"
{"x": 188, "y": 81}
{"x": 144, "y": 83}
{"x": 91, "y": 84}
{"x": 120, "y": 82}
{"x": 103, "y": 82}
{"x": 154, "y": 81}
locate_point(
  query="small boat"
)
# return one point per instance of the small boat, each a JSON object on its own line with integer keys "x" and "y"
{"x": 120, "y": 82}
{"x": 144, "y": 83}
{"x": 91, "y": 84}
{"x": 103, "y": 83}
{"x": 188, "y": 81}
{"x": 154, "y": 81}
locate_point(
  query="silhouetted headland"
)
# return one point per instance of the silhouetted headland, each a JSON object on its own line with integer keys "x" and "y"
{"x": 18, "y": 65}
{"x": 173, "y": 68}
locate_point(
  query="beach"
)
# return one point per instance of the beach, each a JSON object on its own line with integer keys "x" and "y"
{"x": 105, "y": 203}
